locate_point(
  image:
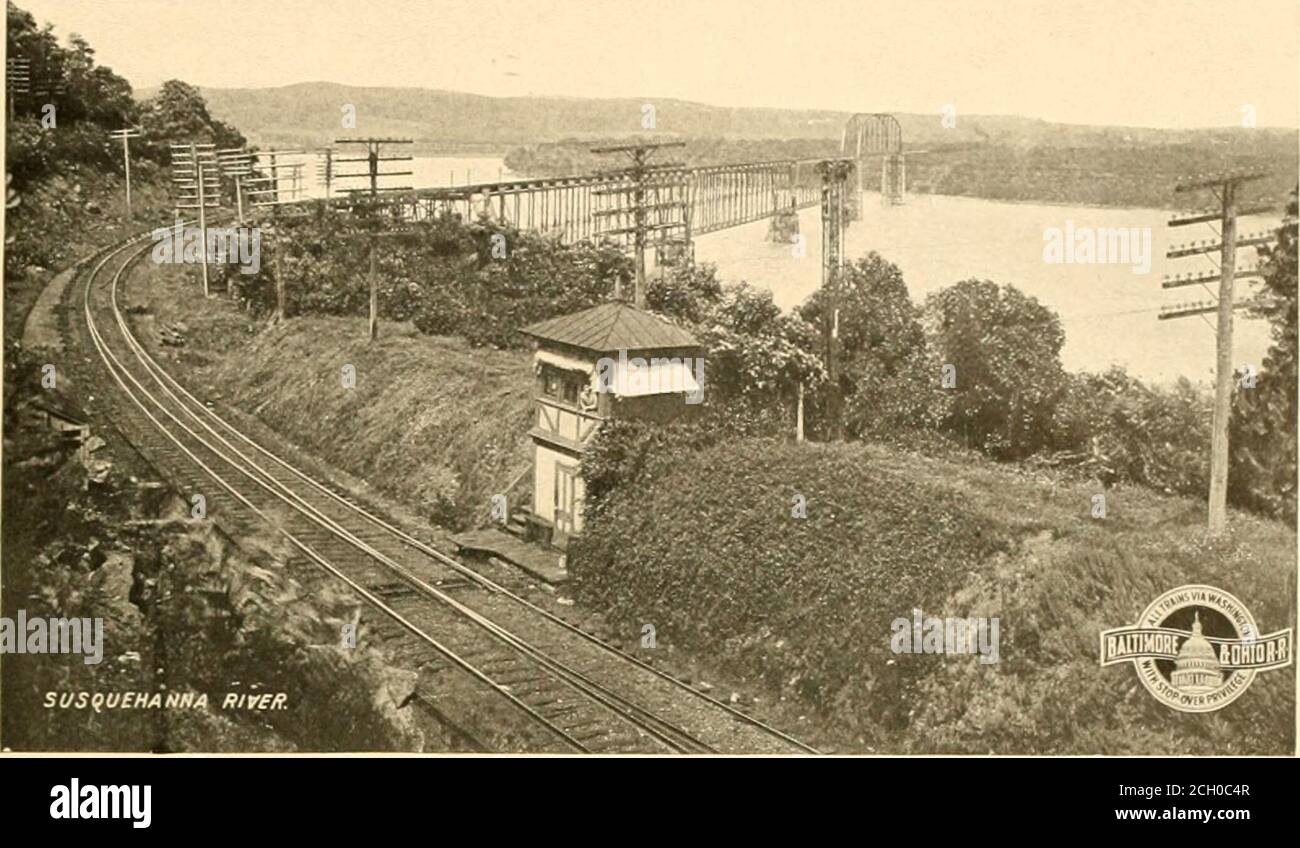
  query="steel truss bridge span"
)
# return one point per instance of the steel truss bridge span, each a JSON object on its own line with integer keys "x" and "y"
{"x": 691, "y": 201}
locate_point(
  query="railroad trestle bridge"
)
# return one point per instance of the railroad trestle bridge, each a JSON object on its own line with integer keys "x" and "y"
{"x": 673, "y": 203}
{"x": 694, "y": 200}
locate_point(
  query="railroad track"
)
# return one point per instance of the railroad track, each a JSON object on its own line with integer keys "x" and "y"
{"x": 436, "y": 611}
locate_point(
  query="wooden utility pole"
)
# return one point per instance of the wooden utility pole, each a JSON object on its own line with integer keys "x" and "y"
{"x": 371, "y": 160}
{"x": 639, "y": 177}
{"x": 237, "y": 163}
{"x": 126, "y": 135}
{"x": 325, "y": 168}
{"x": 835, "y": 174}
{"x": 372, "y": 275}
{"x": 266, "y": 190}
{"x": 18, "y": 80}
{"x": 372, "y": 175}
{"x": 275, "y": 238}
{"x": 203, "y": 225}
{"x": 196, "y": 175}
{"x": 798, "y": 424}
{"x": 1225, "y": 187}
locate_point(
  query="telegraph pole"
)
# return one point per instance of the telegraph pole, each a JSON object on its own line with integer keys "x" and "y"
{"x": 1225, "y": 187}
{"x": 325, "y": 168}
{"x": 372, "y": 173}
{"x": 237, "y": 163}
{"x": 639, "y": 175}
{"x": 268, "y": 185}
{"x": 371, "y": 161}
{"x": 18, "y": 80}
{"x": 126, "y": 135}
{"x": 280, "y": 311}
{"x": 835, "y": 179}
{"x": 196, "y": 175}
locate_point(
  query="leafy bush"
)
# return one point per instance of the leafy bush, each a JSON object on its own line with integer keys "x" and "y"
{"x": 1116, "y": 428}
{"x": 1006, "y": 349}
{"x": 447, "y": 276}
{"x": 888, "y": 376}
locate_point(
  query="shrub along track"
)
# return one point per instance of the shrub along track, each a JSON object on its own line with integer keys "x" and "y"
{"x": 438, "y": 614}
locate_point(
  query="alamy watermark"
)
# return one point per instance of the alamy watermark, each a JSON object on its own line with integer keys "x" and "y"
{"x": 99, "y": 801}
{"x": 179, "y": 244}
{"x": 658, "y": 375}
{"x": 1098, "y": 246}
{"x": 930, "y": 635}
{"x": 22, "y": 635}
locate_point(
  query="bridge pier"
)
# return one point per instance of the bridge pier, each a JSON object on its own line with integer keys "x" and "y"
{"x": 784, "y": 227}
{"x": 893, "y": 179}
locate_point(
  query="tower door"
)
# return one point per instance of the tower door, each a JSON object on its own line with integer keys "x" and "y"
{"x": 566, "y": 497}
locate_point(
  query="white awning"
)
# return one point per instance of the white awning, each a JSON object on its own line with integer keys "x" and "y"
{"x": 656, "y": 377}
{"x": 559, "y": 360}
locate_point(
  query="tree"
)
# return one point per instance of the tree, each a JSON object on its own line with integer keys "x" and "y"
{"x": 1262, "y": 474}
{"x": 1116, "y": 428}
{"x": 94, "y": 92}
{"x": 89, "y": 100}
{"x": 1005, "y": 348}
{"x": 886, "y": 371}
{"x": 757, "y": 358}
{"x": 178, "y": 113}
{"x": 685, "y": 293}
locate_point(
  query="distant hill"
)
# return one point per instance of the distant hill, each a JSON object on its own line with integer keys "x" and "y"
{"x": 310, "y": 113}
{"x": 993, "y": 156}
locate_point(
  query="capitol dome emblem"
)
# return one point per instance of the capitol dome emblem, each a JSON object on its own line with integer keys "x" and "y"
{"x": 1196, "y": 648}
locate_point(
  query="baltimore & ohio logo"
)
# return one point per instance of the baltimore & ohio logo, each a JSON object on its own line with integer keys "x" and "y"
{"x": 1196, "y": 648}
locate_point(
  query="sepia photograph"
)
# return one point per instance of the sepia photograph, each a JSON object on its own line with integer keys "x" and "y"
{"x": 870, "y": 379}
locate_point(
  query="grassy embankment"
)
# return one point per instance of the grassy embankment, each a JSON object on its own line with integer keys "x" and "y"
{"x": 66, "y": 218}
{"x": 431, "y": 422}
{"x": 709, "y": 553}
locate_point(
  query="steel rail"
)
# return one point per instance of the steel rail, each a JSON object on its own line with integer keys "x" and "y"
{"x": 117, "y": 371}
{"x": 671, "y": 736}
{"x": 667, "y": 734}
{"x": 165, "y": 380}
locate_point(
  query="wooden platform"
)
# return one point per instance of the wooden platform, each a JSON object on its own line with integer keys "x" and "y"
{"x": 533, "y": 559}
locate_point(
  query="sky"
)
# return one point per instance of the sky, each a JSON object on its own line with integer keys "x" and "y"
{"x": 1151, "y": 63}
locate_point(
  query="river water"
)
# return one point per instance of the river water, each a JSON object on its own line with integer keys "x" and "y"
{"x": 1108, "y": 311}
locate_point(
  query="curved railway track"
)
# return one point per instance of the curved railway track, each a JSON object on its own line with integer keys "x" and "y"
{"x": 443, "y": 613}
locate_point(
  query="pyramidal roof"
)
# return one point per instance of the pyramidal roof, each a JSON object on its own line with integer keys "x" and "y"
{"x": 610, "y": 327}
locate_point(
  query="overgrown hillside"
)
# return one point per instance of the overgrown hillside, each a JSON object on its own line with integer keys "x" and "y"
{"x": 707, "y": 548}
{"x": 185, "y": 613}
{"x": 64, "y": 219}
{"x": 433, "y": 422}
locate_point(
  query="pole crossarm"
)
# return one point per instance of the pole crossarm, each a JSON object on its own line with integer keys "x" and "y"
{"x": 1216, "y": 246}
{"x": 1204, "y": 181}
{"x": 1198, "y": 307}
{"x": 1174, "y": 281}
